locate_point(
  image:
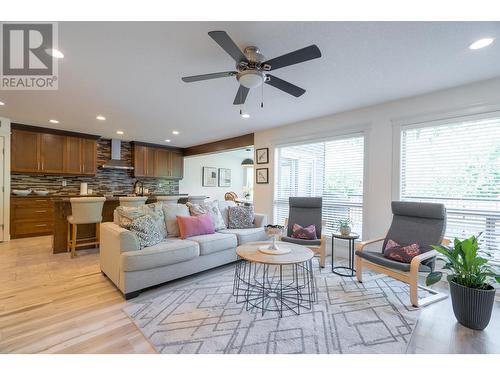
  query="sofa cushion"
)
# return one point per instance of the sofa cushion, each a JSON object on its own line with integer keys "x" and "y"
{"x": 171, "y": 211}
{"x": 169, "y": 251}
{"x": 247, "y": 235}
{"x": 212, "y": 243}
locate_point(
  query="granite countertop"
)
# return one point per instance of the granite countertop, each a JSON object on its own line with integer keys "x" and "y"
{"x": 65, "y": 198}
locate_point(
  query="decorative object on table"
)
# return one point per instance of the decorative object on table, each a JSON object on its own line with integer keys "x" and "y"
{"x": 262, "y": 155}
{"x": 412, "y": 222}
{"x": 262, "y": 175}
{"x": 345, "y": 226}
{"x": 274, "y": 283}
{"x": 41, "y": 193}
{"x": 21, "y": 193}
{"x": 350, "y": 238}
{"x": 275, "y": 232}
{"x": 306, "y": 211}
{"x": 472, "y": 295}
{"x": 224, "y": 177}
{"x": 209, "y": 177}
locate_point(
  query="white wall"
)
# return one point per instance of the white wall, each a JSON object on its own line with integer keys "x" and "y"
{"x": 192, "y": 181}
{"x": 377, "y": 124}
{"x": 5, "y": 179}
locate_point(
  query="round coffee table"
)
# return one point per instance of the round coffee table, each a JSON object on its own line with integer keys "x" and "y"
{"x": 276, "y": 283}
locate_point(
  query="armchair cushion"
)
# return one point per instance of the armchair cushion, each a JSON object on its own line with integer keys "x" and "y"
{"x": 300, "y": 241}
{"x": 379, "y": 259}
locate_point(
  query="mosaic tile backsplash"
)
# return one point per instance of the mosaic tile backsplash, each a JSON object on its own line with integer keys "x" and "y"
{"x": 105, "y": 181}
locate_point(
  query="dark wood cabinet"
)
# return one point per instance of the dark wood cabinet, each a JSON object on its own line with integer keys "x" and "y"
{"x": 47, "y": 153}
{"x": 31, "y": 216}
{"x": 150, "y": 161}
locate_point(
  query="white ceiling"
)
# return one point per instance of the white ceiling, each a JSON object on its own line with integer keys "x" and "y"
{"x": 131, "y": 73}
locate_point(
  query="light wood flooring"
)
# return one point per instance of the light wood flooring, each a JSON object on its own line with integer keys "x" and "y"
{"x": 53, "y": 304}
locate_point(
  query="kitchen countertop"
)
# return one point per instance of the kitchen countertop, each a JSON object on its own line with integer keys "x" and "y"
{"x": 58, "y": 197}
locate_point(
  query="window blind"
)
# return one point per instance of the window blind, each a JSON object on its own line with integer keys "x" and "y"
{"x": 330, "y": 169}
{"x": 457, "y": 164}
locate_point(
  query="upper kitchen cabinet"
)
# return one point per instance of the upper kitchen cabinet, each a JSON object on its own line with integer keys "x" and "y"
{"x": 157, "y": 161}
{"x": 39, "y": 151}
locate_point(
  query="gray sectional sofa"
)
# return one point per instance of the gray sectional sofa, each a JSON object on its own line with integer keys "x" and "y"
{"x": 132, "y": 269}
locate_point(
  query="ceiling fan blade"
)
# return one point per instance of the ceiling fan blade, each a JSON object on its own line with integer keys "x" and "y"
{"x": 203, "y": 77}
{"x": 227, "y": 44}
{"x": 241, "y": 95}
{"x": 295, "y": 57}
{"x": 285, "y": 86}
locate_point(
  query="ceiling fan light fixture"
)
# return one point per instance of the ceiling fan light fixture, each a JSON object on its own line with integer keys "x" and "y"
{"x": 251, "y": 78}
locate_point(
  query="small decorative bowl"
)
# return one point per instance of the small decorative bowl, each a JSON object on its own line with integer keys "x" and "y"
{"x": 41, "y": 192}
{"x": 21, "y": 193}
{"x": 274, "y": 230}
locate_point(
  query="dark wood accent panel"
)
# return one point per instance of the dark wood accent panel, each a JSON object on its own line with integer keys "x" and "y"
{"x": 73, "y": 155}
{"x": 52, "y": 153}
{"x": 163, "y": 163}
{"x": 177, "y": 165}
{"x": 31, "y": 217}
{"x": 154, "y": 145}
{"x": 25, "y": 153}
{"x": 89, "y": 156}
{"x": 40, "y": 129}
{"x": 222, "y": 145}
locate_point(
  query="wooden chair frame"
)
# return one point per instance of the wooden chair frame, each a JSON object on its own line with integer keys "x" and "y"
{"x": 410, "y": 278}
{"x": 321, "y": 249}
{"x": 73, "y": 241}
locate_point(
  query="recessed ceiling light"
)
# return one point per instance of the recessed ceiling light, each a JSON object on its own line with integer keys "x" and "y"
{"x": 167, "y": 140}
{"x": 101, "y": 117}
{"x": 120, "y": 132}
{"x": 481, "y": 43}
{"x": 175, "y": 132}
{"x": 54, "y": 121}
{"x": 2, "y": 103}
{"x": 245, "y": 115}
{"x": 55, "y": 53}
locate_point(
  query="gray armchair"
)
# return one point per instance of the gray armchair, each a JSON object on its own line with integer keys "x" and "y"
{"x": 306, "y": 211}
{"x": 424, "y": 223}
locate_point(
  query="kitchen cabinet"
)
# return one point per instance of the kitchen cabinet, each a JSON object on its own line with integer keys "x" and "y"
{"x": 31, "y": 216}
{"x": 161, "y": 162}
{"x": 47, "y": 153}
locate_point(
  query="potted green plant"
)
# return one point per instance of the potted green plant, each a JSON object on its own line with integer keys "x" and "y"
{"x": 345, "y": 226}
{"x": 469, "y": 276}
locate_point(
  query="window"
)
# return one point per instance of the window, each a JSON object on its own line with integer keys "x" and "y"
{"x": 330, "y": 169}
{"x": 456, "y": 163}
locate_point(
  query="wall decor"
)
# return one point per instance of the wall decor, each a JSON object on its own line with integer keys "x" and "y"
{"x": 262, "y": 155}
{"x": 262, "y": 175}
{"x": 224, "y": 177}
{"x": 209, "y": 177}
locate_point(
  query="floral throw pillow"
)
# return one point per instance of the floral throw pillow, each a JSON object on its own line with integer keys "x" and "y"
{"x": 156, "y": 212}
{"x": 403, "y": 254}
{"x": 146, "y": 230}
{"x": 240, "y": 217}
{"x": 126, "y": 215}
{"x": 304, "y": 233}
{"x": 211, "y": 208}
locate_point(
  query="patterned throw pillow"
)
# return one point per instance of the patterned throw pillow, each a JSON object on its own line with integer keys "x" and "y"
{"x": 211, "y": 208}
{"x": 403, "y": 254}
{"x": 146, "y": 230}
{"x": 304, "y": 233}
{"x": 126, "y": 215}
{"x": 240, "y": 217}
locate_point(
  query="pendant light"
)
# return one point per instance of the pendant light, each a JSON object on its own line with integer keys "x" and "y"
{"x": 248, "y": 162}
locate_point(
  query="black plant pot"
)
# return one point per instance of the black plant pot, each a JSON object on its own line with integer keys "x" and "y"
{"x": 472, "y": 307}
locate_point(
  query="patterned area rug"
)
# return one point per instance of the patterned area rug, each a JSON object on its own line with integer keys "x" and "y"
{"x": 198, "y": 314}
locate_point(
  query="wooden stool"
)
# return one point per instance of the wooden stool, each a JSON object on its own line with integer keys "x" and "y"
{"x": 84, "y": 211}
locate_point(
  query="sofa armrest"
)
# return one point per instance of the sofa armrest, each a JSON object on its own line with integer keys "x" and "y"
{"x": 260, "y": 220}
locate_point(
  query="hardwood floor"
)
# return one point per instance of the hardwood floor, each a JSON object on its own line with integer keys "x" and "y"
{"x": 53, "y": 304}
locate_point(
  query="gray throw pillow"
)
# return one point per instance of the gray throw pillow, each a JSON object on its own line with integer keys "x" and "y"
{"x": 156, "y": 212}
{"x": 241, "y": 217}
{"x": 146, "y": 230}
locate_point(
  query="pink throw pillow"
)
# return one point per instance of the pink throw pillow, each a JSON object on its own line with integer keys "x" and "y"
{"x": 403, "y": 254}
{"x": 190, "y": 226}
{"x": 304, "y": 233}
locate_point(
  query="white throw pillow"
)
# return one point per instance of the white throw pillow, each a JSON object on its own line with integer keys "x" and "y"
{"x": 171, "y": 211}
{"x": 223, "y": 208}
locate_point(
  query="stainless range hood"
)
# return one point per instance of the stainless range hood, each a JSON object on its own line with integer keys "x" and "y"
{"x": 116, "y": 162}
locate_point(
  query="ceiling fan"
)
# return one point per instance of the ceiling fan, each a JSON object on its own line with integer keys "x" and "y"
{"x": 252, "y": 67}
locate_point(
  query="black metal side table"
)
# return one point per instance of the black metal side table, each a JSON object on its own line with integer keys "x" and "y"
{"x": 349, "y": 238}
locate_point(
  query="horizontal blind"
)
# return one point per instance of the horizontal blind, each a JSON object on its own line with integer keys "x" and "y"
{"x": 457, "y": 164}
{"x": 332, "y": 170}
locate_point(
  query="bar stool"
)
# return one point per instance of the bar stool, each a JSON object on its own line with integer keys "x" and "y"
{"x": 132, "y": 201}
{"x": 84, "y": 211}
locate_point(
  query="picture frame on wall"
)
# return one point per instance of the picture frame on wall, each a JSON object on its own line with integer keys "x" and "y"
{"x": 262, "y": 155}
{"x": 224, "y": 177}
{"x": 209, "y": 178}
{"x": 262, "y": 175}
